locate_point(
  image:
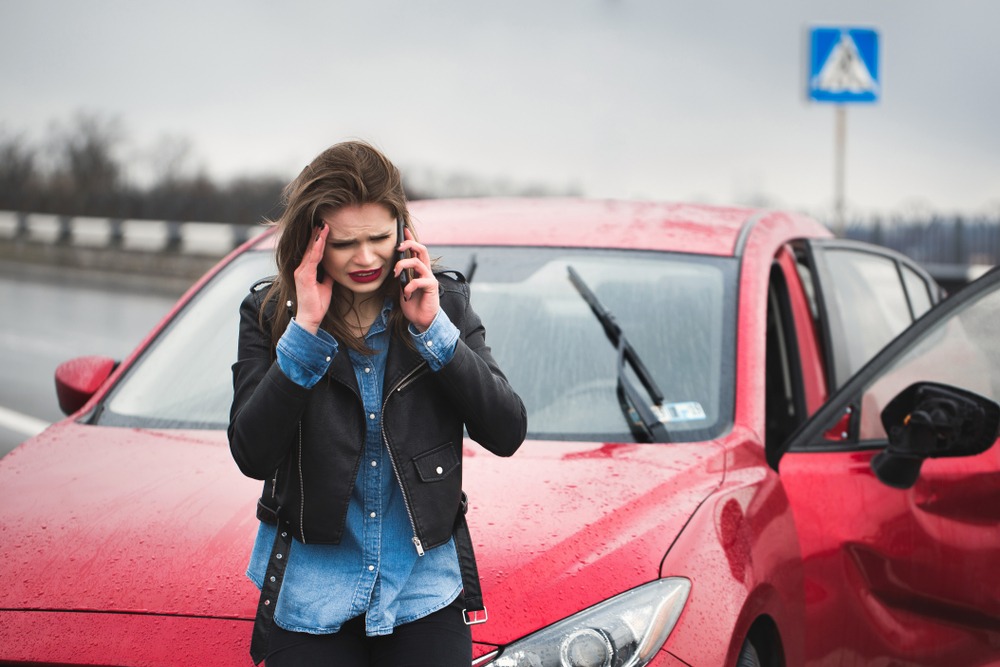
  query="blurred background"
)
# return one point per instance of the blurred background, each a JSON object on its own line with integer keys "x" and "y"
{"x": 202, "y": 110}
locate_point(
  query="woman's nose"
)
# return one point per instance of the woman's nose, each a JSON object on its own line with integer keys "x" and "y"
{"x": 364, "y": 255}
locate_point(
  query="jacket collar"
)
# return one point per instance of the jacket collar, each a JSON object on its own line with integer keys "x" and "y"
{"x": 401, "y": 361}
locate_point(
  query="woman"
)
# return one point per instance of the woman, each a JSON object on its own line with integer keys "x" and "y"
{"x": 351, "y": 396}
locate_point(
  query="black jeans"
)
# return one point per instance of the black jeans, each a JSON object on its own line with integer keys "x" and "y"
{"x": 439, "y": 640}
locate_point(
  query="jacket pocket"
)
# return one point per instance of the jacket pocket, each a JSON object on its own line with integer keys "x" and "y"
{"x": 437, "y": 464}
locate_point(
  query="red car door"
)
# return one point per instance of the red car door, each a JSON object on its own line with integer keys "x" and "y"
{"x": 901, "y": 576}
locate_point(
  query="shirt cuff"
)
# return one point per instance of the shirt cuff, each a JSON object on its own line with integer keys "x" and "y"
{"x": 305, "y": 357}
{"x": 437, "y": 344}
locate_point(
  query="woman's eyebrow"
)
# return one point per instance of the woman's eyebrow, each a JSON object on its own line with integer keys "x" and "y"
{"x": 378, "y": 235}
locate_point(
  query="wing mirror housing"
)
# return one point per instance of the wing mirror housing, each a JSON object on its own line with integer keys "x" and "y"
{"x": 931, "y": 420}
{"x": 78, "y": 379}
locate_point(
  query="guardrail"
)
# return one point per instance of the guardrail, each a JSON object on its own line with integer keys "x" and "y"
{"x": 154, "y": 255}
{"x": 210, "y": 239}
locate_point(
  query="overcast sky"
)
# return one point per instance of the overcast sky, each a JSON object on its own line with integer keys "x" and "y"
{"x": 698, "y": 101}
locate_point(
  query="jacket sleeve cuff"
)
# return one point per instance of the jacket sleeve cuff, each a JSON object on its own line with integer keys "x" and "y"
{"x": 437, "y": 344}
{"x": 303, "y": 357}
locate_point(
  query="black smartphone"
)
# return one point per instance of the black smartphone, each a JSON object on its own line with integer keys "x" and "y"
{"x": 320, "y": 273}
{"x": 405, "y": 275}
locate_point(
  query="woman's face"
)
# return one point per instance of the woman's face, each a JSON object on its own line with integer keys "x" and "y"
{"x": 360, "y": 247}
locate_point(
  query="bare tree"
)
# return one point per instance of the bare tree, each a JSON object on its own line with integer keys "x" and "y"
{"x": 18, "y": 170}
{"x": 86, "y": 172}
{"x": 169, "y": 159}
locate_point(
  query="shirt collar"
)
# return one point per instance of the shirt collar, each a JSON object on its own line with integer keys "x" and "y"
{"x": 381, "y": 322}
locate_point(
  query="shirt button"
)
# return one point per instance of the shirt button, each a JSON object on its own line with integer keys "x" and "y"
{"x": 374, "y": 463}
{"x": 430, "y": 343}
{"x": 372, "y": 515}
{"x": 371, "y": 416}
{"x": 440, "y": 470}
{"x": 329, "y": 358}
{"x": 371, "y": 568}
{"x": 368, "y": 370}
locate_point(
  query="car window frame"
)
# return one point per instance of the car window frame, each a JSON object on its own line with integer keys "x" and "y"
{"x": 844, "y": 402}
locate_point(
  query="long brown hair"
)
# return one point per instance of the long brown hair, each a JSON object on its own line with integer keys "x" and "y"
{"x": 351, "y": 173}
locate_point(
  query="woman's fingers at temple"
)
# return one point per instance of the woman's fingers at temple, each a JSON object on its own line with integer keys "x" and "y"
{"x": 312, "y": 291}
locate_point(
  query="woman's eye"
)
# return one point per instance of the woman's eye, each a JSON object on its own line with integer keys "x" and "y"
{"x": 340, "y": 245}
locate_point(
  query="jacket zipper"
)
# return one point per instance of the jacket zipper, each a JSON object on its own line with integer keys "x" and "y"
{"x": 411, "y": 377}
{"x": 407, "y": 379}
{"x": 302, "y": 491}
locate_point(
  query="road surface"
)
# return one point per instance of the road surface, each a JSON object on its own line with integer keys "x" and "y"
{"x": 47, "y": 318}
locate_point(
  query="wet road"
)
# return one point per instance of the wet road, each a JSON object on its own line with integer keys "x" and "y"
{"x": 48, "y": 318}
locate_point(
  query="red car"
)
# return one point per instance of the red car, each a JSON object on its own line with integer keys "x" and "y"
{"x": 671, "y": 359}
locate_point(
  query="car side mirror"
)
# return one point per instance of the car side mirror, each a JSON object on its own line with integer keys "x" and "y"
{"x": 931, "y": 420}
{"x": 78, "y": 379}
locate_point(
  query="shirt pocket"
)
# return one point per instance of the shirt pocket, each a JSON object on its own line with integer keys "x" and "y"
{"x": 437, "y": 464}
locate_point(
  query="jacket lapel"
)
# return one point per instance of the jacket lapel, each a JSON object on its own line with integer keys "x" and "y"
{"x": 342, "y": 371}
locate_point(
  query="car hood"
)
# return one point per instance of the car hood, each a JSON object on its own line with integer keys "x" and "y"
{"x": 562, "y": 526}
{"x": 162, "y": 522}
{"x": 127, "y": 520}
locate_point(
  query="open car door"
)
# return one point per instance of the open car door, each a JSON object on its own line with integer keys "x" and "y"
{"x": 905, "y": 569}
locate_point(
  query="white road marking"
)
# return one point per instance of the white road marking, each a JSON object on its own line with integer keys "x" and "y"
{"x": 15, "y": 421}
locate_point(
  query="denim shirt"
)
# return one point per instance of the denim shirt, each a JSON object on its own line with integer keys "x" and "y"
{"x": 375, "y": 570}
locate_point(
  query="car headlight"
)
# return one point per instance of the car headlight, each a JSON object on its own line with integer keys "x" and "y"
{"x": 624, "y": 631}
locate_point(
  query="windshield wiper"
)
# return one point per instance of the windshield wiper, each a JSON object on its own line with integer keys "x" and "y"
{"x": 470, "y": 269}
{"x": 639, "y": 414}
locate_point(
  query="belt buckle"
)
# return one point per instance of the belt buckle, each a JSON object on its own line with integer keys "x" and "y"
{"x": 472, "y": 618}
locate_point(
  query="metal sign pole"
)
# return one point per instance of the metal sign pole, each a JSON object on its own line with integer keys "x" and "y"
{"x": 839, "y": 167}
{"x": 843, "y": 69}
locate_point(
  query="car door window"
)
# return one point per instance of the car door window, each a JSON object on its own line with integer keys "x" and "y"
{"x": 871, "y": 301}
{"x": 865, "y": 296}
{"x": 917, "y": 290}
{"x": 963, "y": 351}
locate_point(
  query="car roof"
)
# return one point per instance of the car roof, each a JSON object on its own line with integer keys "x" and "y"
{"x": 569, "y": 222}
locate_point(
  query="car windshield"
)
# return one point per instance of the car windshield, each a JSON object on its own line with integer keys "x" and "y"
{"x": 677, "y": 312}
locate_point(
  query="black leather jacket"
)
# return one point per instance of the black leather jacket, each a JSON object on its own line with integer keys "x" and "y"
{"x": 307, "y": 443}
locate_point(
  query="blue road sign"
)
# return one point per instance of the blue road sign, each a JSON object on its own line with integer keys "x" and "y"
{"x": 843, "y": 65}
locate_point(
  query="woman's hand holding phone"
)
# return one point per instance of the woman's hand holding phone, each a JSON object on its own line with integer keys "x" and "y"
{"x": 419, "y": 300}
{"x": 313, "y": 288}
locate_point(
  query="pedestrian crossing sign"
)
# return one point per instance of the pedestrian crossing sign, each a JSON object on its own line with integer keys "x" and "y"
{"x": 843, "y": 65}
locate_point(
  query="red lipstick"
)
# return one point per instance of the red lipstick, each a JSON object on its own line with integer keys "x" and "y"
{"x": 365, "y": 276}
